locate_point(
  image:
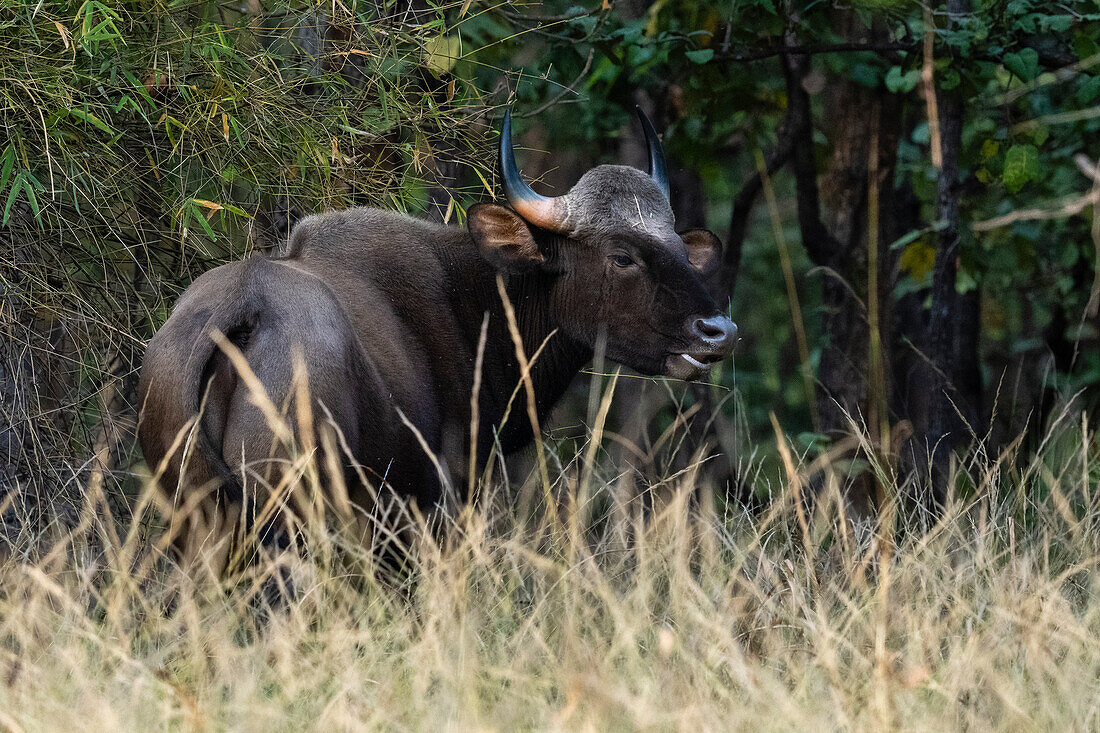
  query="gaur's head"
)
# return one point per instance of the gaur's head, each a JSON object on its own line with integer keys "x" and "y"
{"x": 615, "y": 262}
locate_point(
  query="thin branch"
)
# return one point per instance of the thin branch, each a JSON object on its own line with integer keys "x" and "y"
{"x": 1071, "y": 205}
{"x": 928, "y": 83}
{"x": 745, "y": 201}
{"x": 566, "y": 90}
{"x": 1062, "y": 74}
{"x": 814, "y": 49}
{"x": 536, "y": 19}
{"x": 1050, "y": 59}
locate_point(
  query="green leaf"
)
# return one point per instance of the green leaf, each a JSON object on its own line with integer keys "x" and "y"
{"x": 441, "y": 53}
{"x": 949, "y": 79}
{"x": 236, "y": 210}
{"x": 965, "y": 282}
{"x": 32, "y": 199}
{"x": 813, "y": 440}
{"x": 901, "y": 82}
{"x": 91, "y": 119}
{"x": 16, "y": 187}
{"x": 8, "y": 159}
{"x": 1088, "y": 89}
{"x": 1021, "y": 166}
{"x": 1056, "y": 23}
{"x": 1028, "y": 23}
{"x": 916, "y": 234}
{"x": 1023, "y": 63}
{"x": 585, "y": 23}
{"x": 921, "y": 133}
{"x": 701, "y": 56}
{"x": 197, "y": 216}
{"x": 1085, "y": 46}
{"x": 917, "y": 260}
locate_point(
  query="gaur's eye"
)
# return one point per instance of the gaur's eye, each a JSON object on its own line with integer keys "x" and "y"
{"x": 621, "y": 259}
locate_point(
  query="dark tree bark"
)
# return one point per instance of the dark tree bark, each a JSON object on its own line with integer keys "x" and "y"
{"x": 952, "y": 324}
{"x": 968, "y": 365}
{"x": 820, "y": 244}
{"x": 839, "y": 248}
{"x": 863, "y": 127}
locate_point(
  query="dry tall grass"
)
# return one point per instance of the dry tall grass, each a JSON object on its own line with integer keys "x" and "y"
{"x": 593, "y": 616}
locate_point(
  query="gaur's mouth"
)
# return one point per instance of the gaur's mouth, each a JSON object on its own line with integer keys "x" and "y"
{"x": 692, "y": 366}
{"x": 712, "y": 339}
{"x": 692, "y": 361}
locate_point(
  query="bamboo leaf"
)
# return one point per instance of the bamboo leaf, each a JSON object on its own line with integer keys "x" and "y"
{"x": 91, "y": 119}
{"x": 16, "y": 187}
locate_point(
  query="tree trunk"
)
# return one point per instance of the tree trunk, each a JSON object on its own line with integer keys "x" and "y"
{"x": 949, "y": 343}
{"x": 864, "y": 128}
{"x": 837, "y": 244}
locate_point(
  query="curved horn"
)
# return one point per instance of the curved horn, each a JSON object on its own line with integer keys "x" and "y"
{"x": 656, "y": 154}
{"x": 542, "y": 211}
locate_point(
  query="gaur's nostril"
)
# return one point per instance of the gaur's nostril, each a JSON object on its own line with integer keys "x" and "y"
{"x": 708, "y": 328}
{"x": 716, "y": 330}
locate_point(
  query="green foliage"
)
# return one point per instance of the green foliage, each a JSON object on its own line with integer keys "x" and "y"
{"x": 193, "y": 104}
{"x": 144, "y": 142}
{"x": 1023, "y": 63}
{"x": 901, "y": 82}
{"x": 141, "y": 143}
{"x": 1028, "y": 70}
{"x": 1021, "y": 166}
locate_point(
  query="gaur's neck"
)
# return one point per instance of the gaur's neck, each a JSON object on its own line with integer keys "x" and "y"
{"x": 561, "y": 357}
{"x": 553, "y": 367}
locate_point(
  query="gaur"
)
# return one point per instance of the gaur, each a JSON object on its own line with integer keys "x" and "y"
{"x": 387, "y": 310}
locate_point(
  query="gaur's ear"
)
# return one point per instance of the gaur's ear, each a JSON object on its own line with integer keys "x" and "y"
{"x": 503, "y": 238}
{"x": 703, "y": 250}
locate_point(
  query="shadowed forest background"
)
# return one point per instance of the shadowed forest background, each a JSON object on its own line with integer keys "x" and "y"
{"x": 882, "y": 513}
{"x": 905, "y": 193}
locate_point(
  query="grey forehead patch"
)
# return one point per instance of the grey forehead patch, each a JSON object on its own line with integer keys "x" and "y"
{"x": 612, "y": 196}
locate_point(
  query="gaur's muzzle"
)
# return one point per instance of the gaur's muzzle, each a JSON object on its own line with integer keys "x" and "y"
{"x": 713, "y": 340}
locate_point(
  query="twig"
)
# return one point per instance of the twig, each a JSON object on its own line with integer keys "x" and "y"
{"x": 745, "y": 201}
{"x": 1057, "y": 118}
{"x": 557, "y": 97}
{"x": 929, "y": 85}
{"x": 1063, "y": 208}
{"x": 814, "y": 49}
{"x": 1091, "y": 170}
{"x": 520, "y": 17}
{"x": 792, "y": 290}
{"x": 1059, "y": 75}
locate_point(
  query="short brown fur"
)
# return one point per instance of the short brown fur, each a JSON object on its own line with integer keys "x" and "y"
{"x": 386, "y": 311}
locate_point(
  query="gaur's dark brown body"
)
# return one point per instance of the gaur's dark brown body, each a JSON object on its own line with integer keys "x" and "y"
{"x": 386, "y": 313}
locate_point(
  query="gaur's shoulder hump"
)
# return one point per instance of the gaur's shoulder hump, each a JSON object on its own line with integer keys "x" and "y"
{"x": 350, "y": 230}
